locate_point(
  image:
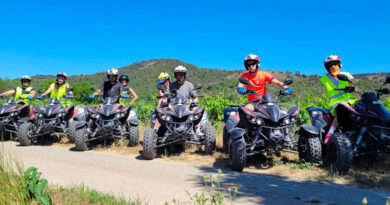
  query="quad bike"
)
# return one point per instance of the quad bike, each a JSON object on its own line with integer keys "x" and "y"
{"x": 363, "y": 129}
{"x": 107, "y": 122}
{"x": 178, "y": 121}
{"x": 10, "y": 113}
{"x": 47, "y": 119}
{"x": 268, "y": 128}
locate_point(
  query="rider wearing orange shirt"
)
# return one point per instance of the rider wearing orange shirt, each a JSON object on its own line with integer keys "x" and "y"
{"x": 258, "y": 79}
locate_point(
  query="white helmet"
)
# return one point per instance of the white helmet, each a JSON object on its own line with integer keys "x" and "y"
{"x": 25, "y": 77}
{"x": 180, "y": 69}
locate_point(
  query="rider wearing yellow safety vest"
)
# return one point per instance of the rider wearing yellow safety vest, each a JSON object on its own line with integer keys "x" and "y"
{"x": 58, "y": 89}
{"x": 23, "y": 94}
{"x": 333, "y": 64}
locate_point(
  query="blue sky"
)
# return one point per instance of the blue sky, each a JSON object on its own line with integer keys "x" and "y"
{"x": 46, "y": 37}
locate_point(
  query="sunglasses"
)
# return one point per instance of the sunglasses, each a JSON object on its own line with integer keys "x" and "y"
{"x": 250, "y": 64}
{"x": 111, "y": 76}
{"x": 25, "y": 81}
{"x": 124, "y": 81}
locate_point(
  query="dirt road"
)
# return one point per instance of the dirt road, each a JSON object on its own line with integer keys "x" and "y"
{"x": 158, "y": 181}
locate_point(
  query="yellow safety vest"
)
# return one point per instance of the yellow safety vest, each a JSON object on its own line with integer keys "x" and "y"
{"x": 19, "y": 93}
{"x": 335, "y": 96}
{"x": 59, "y": 93}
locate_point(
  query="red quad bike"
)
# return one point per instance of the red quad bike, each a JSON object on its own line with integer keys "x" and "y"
{"x": 104, "y": 124}
{"x": 178, "y": 127}
{"x": 268, "y": 128}
{"x": 47, "y": 119}
{"x": 10, "y": 114}
{"x": 363, "y": 129}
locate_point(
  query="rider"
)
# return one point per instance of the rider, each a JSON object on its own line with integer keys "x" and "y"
{"x": 23, "y": 94}
{"x": 110, "y": 88}
{"x": 59, "y": 89}
{"x": 25, "y": 97}
{"x": 124, "y": 80}
{"x": 258, "y": 79}
{"x": 333, "y": 65}
{"x": 163, "y": 80}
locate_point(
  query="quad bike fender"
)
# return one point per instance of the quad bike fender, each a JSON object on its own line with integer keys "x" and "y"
{"x": 24, "y": 119}
{"x": 231, "y": 123}
{"x": 79, "y": 124}
{"x": 205, "y": 120}
{"x": 133, "y": 117}
{"x": 309, "y": 129}
{"x": 237, "y": 133}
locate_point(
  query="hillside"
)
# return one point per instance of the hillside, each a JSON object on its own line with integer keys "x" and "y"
{"x": 143, "y": 78}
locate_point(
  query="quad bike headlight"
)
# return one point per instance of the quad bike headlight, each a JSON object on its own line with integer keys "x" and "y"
{"x": 259, "y": 121}
{"x": 14, "y": 114}
{"x": 252, "y": 120}
{"x": 118, "y": 115}
{"x": 40, "y": 115}
{"x": 196, "y": 117}
{"x": 60, "y": 114}
{"x": 191, "y": 117}
{"x": 168, "y": 118}
{"x": 286, "y": 121}
{"x": 98, "y": 116}
{"x": 293, "y": 119}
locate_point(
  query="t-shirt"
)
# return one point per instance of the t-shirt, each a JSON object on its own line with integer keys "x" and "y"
{"x": 110, "y": 90}
{"x": 258, "y": 80}
{"x": 185, "y": 89}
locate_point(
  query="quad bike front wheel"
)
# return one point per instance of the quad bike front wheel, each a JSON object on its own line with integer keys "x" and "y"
{"x": 309, "y": 148}
{"x": 149, "y": 143}
{"x": 209, "y": 139}
{"x": 24, "y": 133}
{"x": 79, "y": 138}
{"x": 237, "y": 153}
{"x": 339, "y": 153}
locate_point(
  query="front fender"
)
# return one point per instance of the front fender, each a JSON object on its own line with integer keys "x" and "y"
{"x": 236, "y": 133}
{"x": 133, "y": 117}
{"x": 309, "y": 129}
{"x": 79, "y": 124}
{"x": 24, "y": 119}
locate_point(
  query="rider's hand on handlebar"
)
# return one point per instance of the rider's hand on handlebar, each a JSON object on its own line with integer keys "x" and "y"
{"x": 241, "y": 90}
{"x": 71, "y": 96}
{"x": 39, "y": 97}
{"x": 288, "y": 91}
{"x": 91, "y": 96}
{"x": 193, "y": 104}
{"x": 30, "y": 97}
{"x": 126, "y": 96}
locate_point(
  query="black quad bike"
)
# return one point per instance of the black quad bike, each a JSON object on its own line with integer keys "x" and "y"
{"x": 268, "y": 128}
{"x": 10, "y": 113}
{"x": 178, "y": 121}
{"x": 104, "y": 124}
{"x": 47, "y": 119}
{"x": 364, "y": 128}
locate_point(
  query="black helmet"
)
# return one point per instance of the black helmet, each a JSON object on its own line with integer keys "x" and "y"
{"x": 124, "y": 77}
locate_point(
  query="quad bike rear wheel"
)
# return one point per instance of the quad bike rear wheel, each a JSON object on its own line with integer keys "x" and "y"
{"x": 133, "y": 136}
{"x": 225, "y": 138}
{"x": 24, "y": 133}
{"x": 309, "y": 148}
{"x": 209, "y": 139}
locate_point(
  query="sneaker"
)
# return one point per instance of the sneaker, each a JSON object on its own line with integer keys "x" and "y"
{"x": 199, "y": 133}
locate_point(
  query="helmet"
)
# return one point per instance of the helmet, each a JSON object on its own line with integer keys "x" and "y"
{"x": 124, "y": 77}
{"x": 164, "y": 76}
{"x": 25, "y": 78}
{"x": 180, "y": 69}
{"x": 252, "y": 57}
{"x": 62, "y": 75}
{"x": 332, "y": 60}
{"x": 112, "y": 71}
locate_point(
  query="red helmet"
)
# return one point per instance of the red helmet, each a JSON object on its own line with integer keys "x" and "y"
{"x": 332, "y": 60}
{"x": 62, "y": 75}
{"x": 252, "y": 57}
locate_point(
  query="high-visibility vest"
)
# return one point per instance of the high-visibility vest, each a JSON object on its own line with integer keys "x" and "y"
{"x": 335, "y": 96}
{"x": 19, "y": 94}
{"x": 59, "y": 93}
